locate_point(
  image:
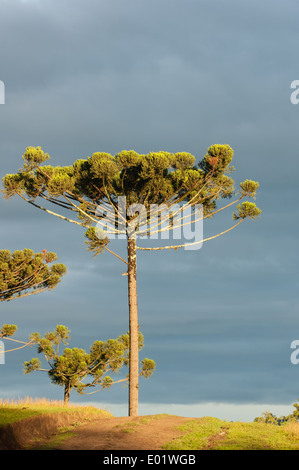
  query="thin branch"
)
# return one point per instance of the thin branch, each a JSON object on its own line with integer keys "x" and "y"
{"x": 112, "y": 383}
{"x": 97, "y": 221}
{"x": 52, "y": 213}
{"x": 20, "y": 347}
{"x": 52, "y": 200}
{"x": 78, "y": 209}
{"x": 115, "y": 254}
{"x": 172, "y": 227}
{"x": 188, "y": 244}
{"x": 26, "y": 295}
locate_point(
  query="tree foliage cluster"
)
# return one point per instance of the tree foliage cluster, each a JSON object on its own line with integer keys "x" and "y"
{"x": 8, "y": 330}
{"x": 24, "y": 272}
{"x": 154, "y": 178}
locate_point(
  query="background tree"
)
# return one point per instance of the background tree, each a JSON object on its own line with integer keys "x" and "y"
{"x": 72, "y": 366}
{"x": 91, "y": 188}
{"x": 24, "y": 273}
{"x": 268, "y": 417}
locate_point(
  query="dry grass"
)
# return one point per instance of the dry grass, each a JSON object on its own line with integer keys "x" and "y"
{"x": 292, "y": 427}
{"x": 14, "y": 410}
{"x": 36, "y": 402}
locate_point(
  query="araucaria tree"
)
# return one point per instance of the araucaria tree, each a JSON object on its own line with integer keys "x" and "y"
{"x": 72, "y": 367}
{"x": 129, "y": 195}
{"x": 24, "y": 273}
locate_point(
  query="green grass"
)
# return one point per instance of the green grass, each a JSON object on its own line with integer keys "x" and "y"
{"x": 52, "y": 442}
{"x": 196, "y": 434}
{"x": 212, "y": 433}
{"x": 11, "y": 415}
{"x": 13, "y": 411}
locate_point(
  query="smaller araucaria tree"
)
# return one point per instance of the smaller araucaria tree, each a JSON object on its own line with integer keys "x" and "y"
{"x": 71, "y": 367}
{"x": 24, "y": 273}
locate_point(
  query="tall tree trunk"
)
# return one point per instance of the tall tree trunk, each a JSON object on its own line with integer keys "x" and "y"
{"x": 67, "y": 391}
{"x": 133, "y": 329}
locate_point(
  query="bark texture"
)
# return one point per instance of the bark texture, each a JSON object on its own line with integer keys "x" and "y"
{"x": 133, "y": 328}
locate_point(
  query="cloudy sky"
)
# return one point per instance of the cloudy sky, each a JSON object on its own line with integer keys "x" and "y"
{"x": 170, "y": 75}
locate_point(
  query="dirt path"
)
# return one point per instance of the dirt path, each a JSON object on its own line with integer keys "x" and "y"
{"x": 141, "y": 433}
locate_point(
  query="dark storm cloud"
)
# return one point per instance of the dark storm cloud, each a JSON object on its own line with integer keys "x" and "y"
{"x": 181, "y": 71}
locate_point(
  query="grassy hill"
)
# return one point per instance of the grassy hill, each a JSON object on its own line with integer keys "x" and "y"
{"x": 214, "y": 434}
{"x": 29, "y": 420}
{"x": 33, "y": 422}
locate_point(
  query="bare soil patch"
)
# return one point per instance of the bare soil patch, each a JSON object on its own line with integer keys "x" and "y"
{"x": 125, "y": 433}
{"x": 107, "y": 433}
